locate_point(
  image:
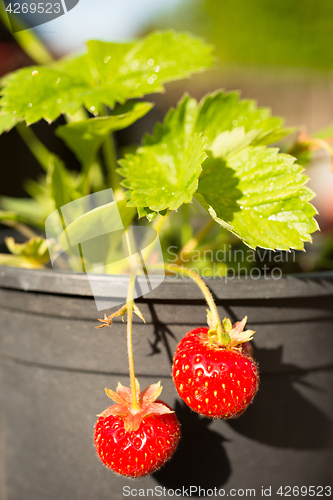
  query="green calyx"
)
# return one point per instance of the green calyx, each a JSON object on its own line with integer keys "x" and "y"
{"x": 218, "y": 332}
{"x": 228, "y": 334}
{"x": 219, "y": 335}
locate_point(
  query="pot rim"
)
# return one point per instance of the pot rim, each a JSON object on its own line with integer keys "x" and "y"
{"x": 75, "y": 284}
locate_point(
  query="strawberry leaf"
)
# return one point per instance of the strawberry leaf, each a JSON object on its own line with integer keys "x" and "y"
{"x": 107, "y": 74}
{"x": 222, "y": 111}
{"x": 164, "y": 172}
{"x": 232, "y": 141}
{"x": 259, "y": 195}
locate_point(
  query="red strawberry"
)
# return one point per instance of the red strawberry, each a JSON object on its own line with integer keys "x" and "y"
{"x": 136, "y": 442}
{"x": 213, "y": 380}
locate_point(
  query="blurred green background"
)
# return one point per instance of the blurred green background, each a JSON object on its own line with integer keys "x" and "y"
{"x": 288, "y": 33}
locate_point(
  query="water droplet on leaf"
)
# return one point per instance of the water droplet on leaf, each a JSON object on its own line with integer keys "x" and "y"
{"x": 150, "y": 62}
{"x": 34, "y": 73}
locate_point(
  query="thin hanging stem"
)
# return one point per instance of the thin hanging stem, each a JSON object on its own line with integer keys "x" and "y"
{"x": 130, "y": 306}
{"x": 193, "y": 242}
{"x": 130, "y": 303}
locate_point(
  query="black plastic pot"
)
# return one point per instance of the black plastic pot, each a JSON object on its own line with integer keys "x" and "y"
{"x": 55, "y": 366}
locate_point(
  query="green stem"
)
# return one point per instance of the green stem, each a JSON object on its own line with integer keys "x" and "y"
{"x": 27, "y": 39}
{"x": 37, "y": 148}
{"x": 222, "y": 336}
{"x": 193, "y": 242}
{"x": 130, "y": 303}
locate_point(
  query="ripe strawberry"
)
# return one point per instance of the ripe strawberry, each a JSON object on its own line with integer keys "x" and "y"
{"x": 136, "y": 442}
{"x": 213, "y": 380}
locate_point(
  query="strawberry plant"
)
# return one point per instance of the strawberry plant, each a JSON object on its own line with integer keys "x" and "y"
{"x": 214, "y": 156}
{"x": 217, "y": 152}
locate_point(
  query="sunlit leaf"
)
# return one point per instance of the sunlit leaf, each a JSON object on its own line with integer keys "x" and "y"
{"x": 107, "y": 74}
{"x": 164, "y": 172}
{"x": 260, "y": 196}
{"x": 222, "y": 111}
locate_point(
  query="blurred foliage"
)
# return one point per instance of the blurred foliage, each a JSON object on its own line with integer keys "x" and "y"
{"x": 261, "y": 32}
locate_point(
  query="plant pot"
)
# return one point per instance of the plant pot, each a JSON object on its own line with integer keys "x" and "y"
{"x": 55, "y": 366}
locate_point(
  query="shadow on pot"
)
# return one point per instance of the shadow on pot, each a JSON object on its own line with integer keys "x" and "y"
{"x": 280, "y": 416}
{"x": 186, "y": 468}
{"x": 162, "y": 334}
